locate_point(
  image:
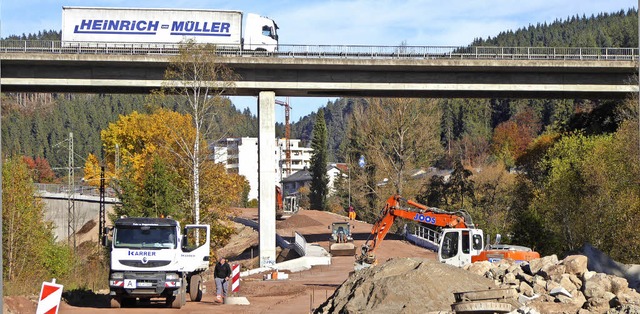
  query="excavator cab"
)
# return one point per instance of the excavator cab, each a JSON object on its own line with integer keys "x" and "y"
{"x": 458, "y": 246}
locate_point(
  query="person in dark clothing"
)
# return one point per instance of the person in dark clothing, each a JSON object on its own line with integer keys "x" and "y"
{"x": 221, "y": 274}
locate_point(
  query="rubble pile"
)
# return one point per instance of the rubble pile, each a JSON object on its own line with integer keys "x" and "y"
{"x": 547, "y": 285}
{"x": 403, "y": 285}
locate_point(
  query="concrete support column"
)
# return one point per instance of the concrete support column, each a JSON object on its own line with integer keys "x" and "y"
{"x": 267, "y": 177}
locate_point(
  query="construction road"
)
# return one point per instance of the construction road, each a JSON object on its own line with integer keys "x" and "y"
{"x": 301, "y": 292}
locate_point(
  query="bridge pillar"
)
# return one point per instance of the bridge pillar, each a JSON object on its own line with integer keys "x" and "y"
{"x": 267, "y": 177}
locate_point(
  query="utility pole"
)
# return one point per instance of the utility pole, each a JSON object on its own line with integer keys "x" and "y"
{"x": 71, "y": 209}
{"x": 116, "y": 162}
{"x": 103, "y": 220}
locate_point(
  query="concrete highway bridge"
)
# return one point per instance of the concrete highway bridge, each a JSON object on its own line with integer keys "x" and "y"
{"x": 341, "y": 71}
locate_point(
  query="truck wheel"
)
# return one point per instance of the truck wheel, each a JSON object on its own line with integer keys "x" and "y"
{"x": 176, "y": 301}
{"x": 184, "y": 291}
{"x": 128, "y": 302}
{"x": 115, "y": 302}
{"x": 195, "y": 290}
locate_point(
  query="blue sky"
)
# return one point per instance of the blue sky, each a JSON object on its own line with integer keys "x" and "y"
{"x": 337, "y": 22}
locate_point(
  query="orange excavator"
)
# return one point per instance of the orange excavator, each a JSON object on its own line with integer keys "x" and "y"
{"x": 460, "y": 243}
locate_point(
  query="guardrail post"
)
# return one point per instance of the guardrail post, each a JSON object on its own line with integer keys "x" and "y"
{"x": 580, "y": 53}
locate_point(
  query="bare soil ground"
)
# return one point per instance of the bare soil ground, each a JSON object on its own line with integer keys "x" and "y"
{"x": 301, "y": 293}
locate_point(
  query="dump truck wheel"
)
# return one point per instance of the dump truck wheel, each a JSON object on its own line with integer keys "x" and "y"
{"x": 178, "y": 300}
{"x": 195, "y": 289}
{"x": 114, "y": 302}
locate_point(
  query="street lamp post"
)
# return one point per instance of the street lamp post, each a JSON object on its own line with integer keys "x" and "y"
{"x": 349, "y": 174}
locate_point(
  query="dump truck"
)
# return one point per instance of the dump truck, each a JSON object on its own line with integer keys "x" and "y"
{"x": 341, "y": 239}
{"x": 149, "y": 27}
{"x": 155, "y": 258}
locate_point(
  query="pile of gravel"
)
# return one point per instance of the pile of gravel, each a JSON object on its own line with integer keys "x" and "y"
{"x": 403, "y": 285}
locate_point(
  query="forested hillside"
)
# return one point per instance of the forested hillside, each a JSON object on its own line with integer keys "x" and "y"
{"x": 619, "y": 29}
{"x": 42, "y": 35}
{"x": 468, "y": 125}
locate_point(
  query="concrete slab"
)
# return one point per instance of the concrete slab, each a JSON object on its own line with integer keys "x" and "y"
{"x": 236, "y": 300}
{"x": 316, "y": 255}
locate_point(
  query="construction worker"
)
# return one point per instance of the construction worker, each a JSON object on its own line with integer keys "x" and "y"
{"x": 352, "y": 213}
{"x": 221, "y": 274}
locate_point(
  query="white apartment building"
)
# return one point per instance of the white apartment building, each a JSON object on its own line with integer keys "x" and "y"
{"x": 240, "y": 155}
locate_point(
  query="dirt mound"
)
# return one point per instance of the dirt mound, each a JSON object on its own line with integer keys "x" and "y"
{"x": 20, "y": 304}
{"x": 299, "y": 220}
{"x": 87, "y": 227}
{"x": 403, "y": 285}
{"x": 244, "y": 238}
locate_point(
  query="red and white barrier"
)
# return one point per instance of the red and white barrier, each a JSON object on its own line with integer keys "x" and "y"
{"x": 235, "y": 278}
{"x": 49, "y": 301}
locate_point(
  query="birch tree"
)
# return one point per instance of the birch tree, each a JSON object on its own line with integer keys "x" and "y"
{"x": 197, "y": 75}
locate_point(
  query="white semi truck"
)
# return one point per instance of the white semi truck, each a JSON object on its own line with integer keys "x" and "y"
{"x": 113, "y": 27}
{"x": 155, "y": 258}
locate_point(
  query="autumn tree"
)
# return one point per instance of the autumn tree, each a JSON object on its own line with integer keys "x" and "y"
{"x": 135, "y": 138}
{"x": 395, "y": 136}
{"x": 40, "y": 169}
{"x": 588, "y": 186}
{"x": 197, "y": 74}
{"x": 492, "y": 198}
{"x": 456, "y": 192}
{"x": 29, "y": 252}
{"x": 319, "y": 178}
{"x": 511, "y": 138}
{"x": 154, "y": 177}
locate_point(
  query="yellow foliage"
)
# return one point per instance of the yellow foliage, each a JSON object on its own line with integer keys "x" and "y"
{"x": 92, "y": 171}
{"x": 139, "y": 136}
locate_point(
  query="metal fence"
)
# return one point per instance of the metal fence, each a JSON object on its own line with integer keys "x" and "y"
{"x": 332, "y": 51}
{"x": 77, "y": 189}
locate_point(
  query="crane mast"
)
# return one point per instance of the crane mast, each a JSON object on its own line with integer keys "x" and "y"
{"x": 287, "y": 134}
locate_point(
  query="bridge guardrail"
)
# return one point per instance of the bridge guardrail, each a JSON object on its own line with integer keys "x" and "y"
{"x": 334, "y": 51}
{"x": 77, "y": 189}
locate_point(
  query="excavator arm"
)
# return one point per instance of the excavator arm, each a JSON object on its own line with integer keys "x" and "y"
{"x": 392, "y": 210}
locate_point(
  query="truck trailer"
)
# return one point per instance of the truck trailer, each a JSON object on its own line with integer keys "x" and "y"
{"x": 154, "y": 258}
{"x": 116, "y": 27}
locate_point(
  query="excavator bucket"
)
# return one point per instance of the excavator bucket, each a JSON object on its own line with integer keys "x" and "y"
{"x": 341, "y": 240}
{"x": 365, "y": 259}
{"x": 360, "y": 265}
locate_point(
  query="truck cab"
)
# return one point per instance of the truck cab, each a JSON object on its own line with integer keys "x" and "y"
{"x": 260, "y": 33}
{"x": 155, "y": 258}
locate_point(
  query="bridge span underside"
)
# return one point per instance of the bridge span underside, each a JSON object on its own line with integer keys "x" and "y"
{"x": 438, "y": 78}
